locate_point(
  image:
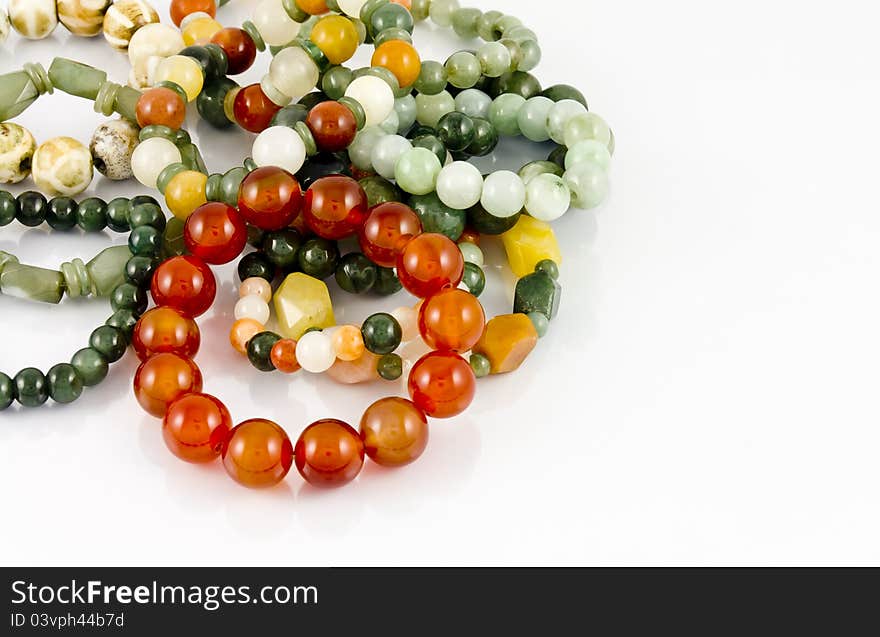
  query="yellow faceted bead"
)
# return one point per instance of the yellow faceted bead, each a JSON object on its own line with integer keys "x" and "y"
{"x": 186, "y": 192}
{"x": 337, "y": 38}
{"x": 200, "y": 31}
{"x": 183, "y": 71}
{"x": 301, "y": 303}
{"x": 528, "y": 243}
{"x": 507, "y": 341}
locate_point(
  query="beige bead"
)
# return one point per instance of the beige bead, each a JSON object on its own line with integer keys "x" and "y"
{"x": 34, "y": 19}
{"x": 124, "y": 18}
{"x": 111, "y": 147}
{"x": 62, "y": 166}
{"x": 4, "y": 25}
{"x": 154, "y": 40}
{"x": 84, "y": 18}
{"x": 17, "y": 148}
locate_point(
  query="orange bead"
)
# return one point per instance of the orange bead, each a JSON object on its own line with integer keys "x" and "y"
{"x": 195, "y": 427}
{"x": 470, "y": 236}
{"x": 242, "y": 331}
{"x": 442, "y": 384}
{"x": 182, "y": 8}
{"x": 394, "y": 431}
{"x": 452, "y": 320}
{"x": 401, "y": 58}
{"x": 348, "y": 343}
{"x": 258, "y": 454}
{"x": 429, "y": 263}
{"x": 160, "y": 106}
{"x": 164, "y": 330}
{"x": 313, "y": 7}
{"x": 329, "y": 453}
{"x": 283, "y": 356}
{"x": 162, "y": 379}
{"x": 403, "y": 3}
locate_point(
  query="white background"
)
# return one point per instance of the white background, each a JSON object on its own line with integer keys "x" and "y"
{"x": 708, "y": 394}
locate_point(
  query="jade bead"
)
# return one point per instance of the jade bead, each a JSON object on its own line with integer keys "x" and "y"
{"x": 561, "y": 92}
{"x": 464, "y": 23}
{"x": 488, "y": 224}
{"x": 537, "y": 292}
{"x": 7, "y": 208}
{"x": 369, "y": 8}
{"x": 173, "y": 242}
{"x": 519, "y": 83}
{"x": 318, "y": 258}
{"x": 387, "y": 152}
{"x": 463, "y": 69}
{"x": 541, "y": 323}
{"x": 441, "y": 12}
{"x": 588, "y": 183}
{"x": 456, "y": 131}
{"x": 64, "y": 383}
{"x": 481, "y": 365}
{"x": 547, "y": 197}
{"x": 433, "y": 78}
{"x": 504, "y": 114}
{"x": 420, "y": 9}
{"x": 119, "y": 214}
{"x": 387, "y": 282}
{"x": 530, "y": 50}
{"x": 32, "y": 209}
{"x": 474, "y": 278}
{"x": 560, "y": 115}
{"x": 145, "y": 241}
{"x": 31, "y": 387}
{"x": 557, "y": 156}
{"x": 282, "y": 247}
{"x": 537, "y": 168}
{"x": 494, "y": 59}
{"x": 361, "y": 149}
{"x": 7, "y": 391}
{"x": 390, "y": 16}
{"x": 390, "y": 367}
{"x": 230, "y": 185}
{"x": 437, "y": 217}
{"x": 586, "y": 126}
{"x": 256, "y": 265}
{"x": 487, "y": 25}
{"x": 62, "y": 213}
{"x": 504, "y": 194}
{"x": 406, "y": 110}
{"x": 211, "y": 58}
{"x": 432, "y": 143}
{"x": 382, "y": 334}
{"x": 124, "y": 321}
{"x": 485, "y": 138}
{"x": 379, "y": 190}
{"x": 110, "y": 342}
{"x": 177, "y": 88}
{"x": 147, "y": 214}
{"x": 549, "y": 267}
{"x": 335, "y": 82}
{"x": 471, "y": 253}
{"x": 532, "y": 118}
{"x": 139, "y": 270}
{"x": 290, "y": 115}
{"x": 417, "y": 170}
{"x": 259, "y": 351}
{"x": 129, "y": 297}
{"x": 91, "y": 215}
{"x": 356, "y": 274}
{"x": 588, "y": 150}
{"x": 430, "y": 108}
{"x": 211, "y": 102}
{"x": 473, "y": 103}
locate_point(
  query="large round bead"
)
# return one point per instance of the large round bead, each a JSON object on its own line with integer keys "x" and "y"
{"x": 17, "y": 148}
{"x": 162, "y": 379}
{"x": 241, "y": 52}
{"x": 386, "y": 231}
{"x": 216, "y": 233}
{"x": 161, "y": 106}
{"x": 270, "y": 198}
{"x": 165, "y": 330}
{"x": 442, "y": 384}
{"x": 195, "y": 427}
{"x": 429, "y": 263}
{"x": 329, "y": 453}
{"x": 112, "y": 147}
{"x": 335, "y": 207}
{"x": 453, "y": 320}
{"x": 185, "y": 283}
{"x": 333, "y": 126}
{"x": 374, "y": 95}
{"x": 274, "y": 23}
{"x": 337, "y": 38}
{"x": 83, "y": 17}
{"x": 62, "y": 166}
{"x": 280, "y": 146}
{"x": 253, "y": 110}
{"x": 394, "y": 432}
{"x": 34, "y": 19}
{"x": 151, "y": 157}
{"x": 124, "y": 18}
{"x": 258, "y": 454}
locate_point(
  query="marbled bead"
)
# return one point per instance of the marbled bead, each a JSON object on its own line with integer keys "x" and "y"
{"x": 460, "y": 185}
{"x": 547, "y": 197}
{"x": 437, "y": 217}
{"x": 504, "y": 194}
{"x": 293, "y": 72}
{"x": 417, "y": 170}
{"x": 463, "y": 69}
{"x": 112, "y": 146}
{"x": 275, "y": 25}
{"x": 83, "y": 17}
{"x": 33, "y": 19}
{"x": 442, "y": 11}
{"x": 432, "y": 78}
{"x": 62, "y": 166}
{"x": 361, "y": 149}
{"x": 31, "y": 387}
{"x": 124, "y": 18}
{"x": 387, "y": 152}
{"x": 494, "y": 59}
{"x": 535, "y": 168}
{"x": 151, "y": 157}
{"x": 588, "y": 150}
{"x": 17, "y": 148}
{"x": 473, "y": 103}
{"x": 588, "y": 183}
{"x": 504, "y": 114}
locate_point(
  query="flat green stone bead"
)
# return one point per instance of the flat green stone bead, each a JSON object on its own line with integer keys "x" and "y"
{"x": 537, "y": 292}
{"x": 464, "y": 22}
{"x": 504, "y": 114}
{"x": 394, "y": 33}
{"x": 251, "y": 29}
{"x": 91, "y": 366}
{"x": 110, "y": 342}
{"x": 174, "y": 86}
{"x": 231, "y": 184}
{"x": 7, "y": 208}
{"x": 32, "y": 283}
{"x": 173, "y": 244}
{"x": 126, "y": 103}
{"x": 76, "y": 78}
{"x": 157, "y": 130}
{"x": 296, "y": 14}
{"x": 432, "y": 78}
{"x": 437, "y": 217}
{"x": 7, "y": 391}
{"x": 107, "y": 269}
{"x": 168, "y": 173}
{"x": 369, "y": 8}
{"x": 212, "y": 187}
{"x": 64, "y": 383}
{"x": 31, "y": 387}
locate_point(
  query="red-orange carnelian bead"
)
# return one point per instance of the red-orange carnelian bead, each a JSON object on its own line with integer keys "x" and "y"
{"x": 195, "y": 427}
{"x": 283, "y": 356}
{"x": 335, "y": 207}
{"x": 239, "y": 48}
{"x": 162, "y": 379}
{"x": 329, "y": 453}
{"x": 394, "y": 431}
{"x": 333, "y": 126}
{"x": 470, "y": 236}
{"x": 452, "y": 319}
{"x": 386, "y": 231}
{"x": 164, "y": 330}
{"x": 258, "y": 453}
{"x": 270, "y": 198}
{"x": 216, "y": 233}
{"x": 253, "y": 110}
{"x": 160, "y": 106}
{"x": 313, "y": 7}
{"x": 429, "y": 263}
{"x": 401, "y": 58}
{"x": 243, "y": 330}
{"x": 442, "y": 384}
{"x": 182, "y": 8}
{"x": 185, "y": 283}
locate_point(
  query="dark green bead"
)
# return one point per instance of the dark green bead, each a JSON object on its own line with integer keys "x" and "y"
{"x": 456, "y": 131}
{"x": 481, "y": 365}
{"x": 418, "y": 130}
{"x": 211, "y": 58}
{"x": 210, "y": 102}
{"x": 356, "y": 274}
{"x": 474, "y": 278}
{"x": 537, "y": 292}
{"x": 181, "y": 138}
{"x": 390, "y": 16}
{"x": 91, "y": 214}
{"x": 282, "y": 247}
{"x": 516, "y": 82}
{"x": 32, "y": 209}
{"x": 311, "y": 100}
{"x": 62, "y": 213}
{"x": 255, "y": 236}
{"x": 561, "y": 92}
{"x": 318, "y": 258}
{"x": 156, "y": 130}
{"x": 124, "y": 321}
{"x": 485, "y": 223}
{"x": 174, "y": 86}
{"x": 387, "y": 282}
{"x": 382, "y": 334}
{"x": 91, "y": 366}
{"x": 432, "y": 143}
{"x": 557, "y": 156}
{"x": 119, "y": 214}
{"x": 548, "y": 266}
{"x": 65, "y": 385}
{"x": 485, "y": 138}
{"x": 379, "y": 190}
{"x": 7, "y": 391}
{"x": 323, "y": 165}
{"x": 138, "y": 200}
{"x": 173, "y": 244}
{"x": 139, "y": 270}
{"x": 147, "y": 214}
{"x": 31, "y": 387}
{"x": 167, "y": 174}
{"x": 335, "y": 81}
{"x": 390, "y": 367}
{"x": 290, "y": 115}
{"x": 7, "y": 208}
{"x": 259, "y": 351}
{"x": 129, "y": 297}
{"x": 145, "y": 241}
{"x": 110, "y": 342}
{"x": 256, "y": 264}
{"x": 437, "y": 217}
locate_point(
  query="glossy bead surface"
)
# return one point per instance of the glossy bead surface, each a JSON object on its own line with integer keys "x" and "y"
{"x": 185, "y": 283}
{"x": 252, "y": 307}
{"x": 401, "y": 58}
{"x": 258, "y": 454}
{"x": 91, "y": 365}
{"x": 337, "y": 38}
{"x": 452, "y": 320}
{"x": 164, "y": 330}
{"x": 162, "y": 379}
{"x": 274, "y": 24}
{"x": 280, "y": 146}
{"x": 460, "y": 185}
{"x": 216, "y": 233}
{"x": 348, "y": 343}
{"x": 314, "y": 352}
{"x": 374, "y": 95}
{"x": 33, "y": 19}
{"x": 387, "y": 152}
{"x": 356, "y": 274}
{"x": 270, "y": 198}
{"x": 283, "y": 356}
{"x": 442, "y": 384}
{"x": 329, "y": 453}
{"x": 124, "y": 18}
{"x": 294, "y": 72}
{"x": 507, "y": 342}
{"x": 335, "y": 207}
{"x": 83, "y": 18}
{"x": 253, "y": 110}
{"x": 333, "y": 125}
{"x": 242, "y": 332}
{"x": 417, "y": 170}
{"x": 504, "y": 194}
{"x": 195, "y": 427}
{"x": 241, "y": 52}
{"x": 560, "y": 115}
{"x": 394, "y": 432}
{"x": 547, "y": 197}
{"x": 62, "y": 166}
{"x": 386, "y": 231}
{"x": 151, "y": 157}
{"x": 429, "y": 263}
{"x": 183, "y": 71}
{"x": 31, "y": 387}
{"x": 588, "y": 183}
{"x": 382, "y": 334}
{"x": 181, "y": 8}
{"x": 160, "y": 106}
{"x": 185, "y": 193}
{"x": 200, "y": 31}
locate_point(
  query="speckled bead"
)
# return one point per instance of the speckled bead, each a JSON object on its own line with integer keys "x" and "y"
{"x": 62, "y": 166}
{"x": 124, "y": 18}
{"x": 111, "y": 147}
{"x": 17, "y": 147}
{"x": 33, "y": 19}
{"x": 84, "y": 18}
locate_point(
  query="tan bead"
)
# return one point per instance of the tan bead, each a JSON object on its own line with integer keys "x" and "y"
{"x": 17, "y": 147}
{"x": 34, "y": 19}
{"x": 84, "y": 18}
{"x": 111, "y": 147}
{"x": 124, "y": 18}
{"x": 4, "y": 25}
{"x": 62, "y": 166}
{"x": 507, "y": 342}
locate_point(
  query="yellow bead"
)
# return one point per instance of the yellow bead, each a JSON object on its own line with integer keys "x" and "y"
{"x": 528, "y": 243}
{"x": 301, "y": 303}
{"x": 200, "y": 31}
{"x": 337, "y": 38}
{"x": 186, "y": 192}
{"x": 507, "y": 341}
{"x": 183, "y": 71}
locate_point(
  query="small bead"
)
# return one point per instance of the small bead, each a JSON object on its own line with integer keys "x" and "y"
{"x": 588, "y": 183}
{"x": 390, "y": 367}
{"x": 64, "y": 383}
{"x": 348, "y": 343}
{"x": 7, "y": 391}
{"x": 283, "y": 356}
{"x": 255, "y": 286}
{"x": 91, "y": 215}
{"x": 315, "y": 352}
{"x": 548, "y": 266}
{"x": 259, "y": 351}
{"x": 110, "y": 342}
{"x": 472, "y": 254}
{"x": 474, "y": 279}
{"x": 31, "y": 387}
{"x": 382, "y": 334}
{"x": 91, "y": 366}
{"x": 242, "y": 332}
{"x": 62, "y": 166}
{"x": 481, "y": 365}
{"x": 356, "y": 274}
{"x": 560, "y": 115}
{"x": 252, "y": 307}
{"x": 504, "y": 194}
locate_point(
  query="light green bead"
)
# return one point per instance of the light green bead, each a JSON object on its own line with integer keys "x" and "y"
{"x": 361, "y": 150}
{"x": 472, "y": 253}
{"x": 463, "y": 69}
{"x": 541, "y": 323}
{"x": 431, "y": 108}
{"x": 530, "y": 53}
{"x": 535, "y": 168}
{"x": 441, "y": 11}
{"x": 504, "y": 194}
{"x": 417, "y": 170}
{"x": 405, "y": 107}
{"x": 588, "y": 150}
{"x": 494, "y": 59}
{"x": 391, "y": 123}
{"x": 588, "y": 183}
{"x": 547, "y": 197}
{"x": 504, "y": 113}
{"x": 586, "y": 126}
{"x": 464, "y": 22}
{"x": 506, "y": 23}
{"x": 473, "y": 103}
{"x": 432, "y": 78}
{"x": 532, "y": 118}
{"x": 481, "y": 365}
{"x": 107, "y": 270}
{"x": 521, "y": 34}
{"x": 559, "y": 117}
{"x": 32, "y": 283}
{"x": 420, "y": 9}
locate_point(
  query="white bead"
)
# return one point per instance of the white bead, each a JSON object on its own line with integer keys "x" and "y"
{"x": 151, "y": 157}
{"x": 504, "y": 194}
{"x": 460, "y": 185}
{"x": 473, "y": 103}
{"x": 154, "y": 39}
{"x": 547, "y": 197}
{"x": 293, "y": 72}
{"x": 280, "y": 146}
{"x": 559, "y": 116}
{"x": 34, "y": 19}
{"x": 271, "y": 91}
{"x": 314, "y": 352}
{"x": 274, "y": 24}
{"x": 374, "y": 95}
{"x": 192, "y": 17}
{"x": 351, "y": 8}
{"x": 252, "y": 307}
{"x": 387, "y": 152}
{"x": 472, "y": 253}
{"x": 409, "y": 323}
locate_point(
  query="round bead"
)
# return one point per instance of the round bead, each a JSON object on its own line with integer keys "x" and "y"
{"x": 283, "y": 356}
{"x": 408, "y": 319}
{"x": 481, "y": 365}
{"x": 337, "y": 38}
{"x": 312, "y": 7}
{"x": 560, "y": 115}
{"x": 17, "y": 148}
{"x": 374, "y": 95}
{"x": 195, "y": 427}
{"x": 293, "y": 72}
{"x": 453, "y": 320}
{"x": 504, "y": 114}
{"x": 280, "y": 146}
{"x": 473, "y": 103}
{"x": 386, "y": 230}
{"x": 504, "y": 194}
{"x": 256, "y": 286}
{"x": 387, "y": 152}
{"x": 216, "y": 233}
{"x": 124, "y": 18}
{"x": 186, "y": 192}
{"x": 401, "y": 58}
{"x": 329, "y": 453}
{"x": 532, "y": 118}
{"x": 83, "y": 18}
{"x": 258, "y": 453}
{"x": 252, "y": 109}
{"x": 318, "y": 258}
{"x": 333, "y": 126}
{"x": 164, "y": 330}
{"x": 182, "y": 8}
{"x": 64, "y": 384}
{"x": 394, "y": 432}
{"x": 252, "y": 307}
{"x": 184, "y": 71}
{"x": 242, "y": 332}
{"x": 31, "y": 387}
{"x": 241, "y": 52}
{"x": 356, "y": 274}
{"x": 162, "y": 379}
{"x": 276, "y": 27}
{"x": 460, "y": 185}
{"x": 314, "y": 352}
{"x": 160, "y": 106}
{"x": 335, "y": 207}
{"x": 200, "y": 31}
{"x": 62, "y": 166}
{"x": 112, "y": 146}
{"x": 348, "y": 343}
{"x": 417, "y": 170}
{"x": 588, "y": 150}
{"x": 270, "y": 198}
{"x": 33, "y": 19}
{"x": 382, "y": 334}
{"x": 151, "y": 157}
{"x": 588, "y": 183}
{"x": 471, "y": 253}
{"x": 185, "y": 283}
{"x": 547, "y": 197}
{"x": 351, "y": 8}
{"x": 429, "y": 263}
{"x": 442, "y": 384}
{"x": 586, "y": 126}
{"x": 431, "y": 108}
{"x": 154, "y": 41}
{"x": 457, "y": 131}
{"x": 494, "y": 59}
{"x": 91, "y": 365}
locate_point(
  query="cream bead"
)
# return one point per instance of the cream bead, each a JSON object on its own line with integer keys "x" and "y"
{"x": 255, "y": 286}
{"x": 84, "y": 18}
{"x": 4, "y": 25}
{"x": 112, "y": 145}
{"x": 151, "y": 157}
{"x": 315, "y": 353}
{"x": 154, "y": 40}
{"x": 460, "y": 185}
{"x": 274, "y": 23}
{"x": 280, "y": 146}
{"x": 271, "y": 91}
{"x": 293, "y": 72}
{"x": 62, "y": 166}
{"x": 252, "y": 307}
{"x": 184, "y": 71}
{"x": 125, "y": 18}
{"x": 387, "y": 152}
{"x": 504, "y": 194}
{"x": 472, "y": 253}
{"x": 409, "y": 323}
{"x": 17, "y": 147}
{"x": 374, "y": 95}
{"x": 351, "y": 8}
{"x": 547, "y": 197}
{"x": 34, "y": 19}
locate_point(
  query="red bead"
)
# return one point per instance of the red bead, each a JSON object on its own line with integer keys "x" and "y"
{"x": 335, "y": 207}
{"x": 253, "y": 110}
{"x": 182, "y": 8}
{"x": 162, "y": 379}
{"x": 186, "y": 284}
{"x": 394, "y": 431}
{"x": 216, "y": 233}
{"x": 333, "y": 126}
{"x": 164, "y": 330}
{"x": 160, "y": 106}
{"x": 195, "y": 427}
{"x": 386, "y": 231}
{"x": 429, "y": 263}
{"x": 329, "y": 453}
{"x": 258, "y": 454}
{"x": 452, "y": 319}
{"x": 283, "y": 356}
{"x": 270, "y": 198}
{"x": 239, "y": 48}
{"x": 442, "y": 384}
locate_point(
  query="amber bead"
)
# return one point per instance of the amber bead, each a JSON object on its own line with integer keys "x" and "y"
{"x": 253, "y": 110}
{"x": 243, "y": 330}
{"x": 394, "y": 432}
{"x": 333, "y": 126}
{"x": 239, "y": 48}
{"x": 335, "y": 207}
{"x": 270, "y": 198}
{"x": 337, "y": 38}
{"x": 185, "y": 283}
{"x": 429, "y": 263}
{"x": 386, "y": 231}
{"x": 182, "y": 8}
{"x": 258, "y": 454}
{"x": 162, "y": 379}
{"x": 348, "y": 343}
{"x": 164, "y": 330}
{"x": 313, "y": 7}
{"x": 160, "y": 106}
{"x": 216, "y": 233}
{"x": 329, "y": 453}
{"x": 283, "y": 356}
{"x": 401, "y": 58}
{"x": 442, "y": 384}
{"x": 452, "y": 319}
{"x": 185, "y": 192}
{"x": 195, "y": 427}
{"x": 470, "y": 236}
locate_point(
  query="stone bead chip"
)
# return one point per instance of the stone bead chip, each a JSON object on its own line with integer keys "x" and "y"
{"x": 507, "y": 341}
{"x": 303, "y": 303}
{"x": 528, "y": 243}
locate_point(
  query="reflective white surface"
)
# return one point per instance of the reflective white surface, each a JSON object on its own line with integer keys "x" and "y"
{"x": 708, "y": 394}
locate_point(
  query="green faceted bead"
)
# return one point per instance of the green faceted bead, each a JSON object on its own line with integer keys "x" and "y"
{"x": 110, "y": 342}
{"x": 519, "y": 83}
{"x": 485, "y": 138}
{"x": 463, "y": 69}
{"x": 379, "y": 190}
{"x": 432, "y": 78}
{"x": 318, "y": 258}
{"x": 7, "y": 208}
{"x": 504, "y": 114}
{"x": 65, "y": 385}
{"x": 62, "y": 213}
{"x": 147, "y": 214}
{"x": 485, "y": 223}
{"x": 536, "y": 168}
{"x": 334, "y": 83}
{"x": 119, "y": 214}
{"x": 548, "y": 266}
{"x": 107, "y": 270}
{"x": 32, "y": 283}
{"x": 145, "y": 241}
{"x": 456, "y": 131}
{"x": 382, "y": 334}
{"x": 256, "y": 265}
{"x": 129, "y": 297}
{"x": 437, "y": 217}
{"x": 139, "y": 270}
{"x": 124, "y": 321}
{"x": 390, "y": 367}
{"x": 259, "y": 351}
{"x": 390, "y": 16}
{"x": 7, "y": 391}
{"x": 474, "y": 279}
{"x": 32, "y": 209}
{"x": 282, "y": 247}
{"x": 541, "y": 323}
{"x": 173, "y": 243}
{"x": 31, "y": 387}
{"x": 561, "y": 92}
{"x": 481, "y": 365}
{"x": 91, "y": 215}
{"x": 432, "y": 143}
{"x": 387, "y": 282}
{"x": 210, "y": 102}
{"x": 290, "y": 115}
{"x": 91, "y": 366}
{"x": 464, "y": 22}
{"x": 356, "y": 274}
{"x": 537, "y": 292}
